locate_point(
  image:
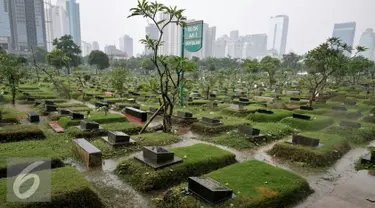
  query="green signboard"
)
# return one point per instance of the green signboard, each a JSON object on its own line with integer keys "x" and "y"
{"x": 193, "y": 36}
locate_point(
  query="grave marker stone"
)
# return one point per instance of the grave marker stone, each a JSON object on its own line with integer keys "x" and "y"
{"x": 302, "y": 117}
{"x": 33, "y": 117}
{"x": 264, "y": 111}
{"x": 77, "y": 116}
{"x": 88, "y": 125}
{"x": 50, "y": 108}
{"x": 339, "y": 108}
{"x": 237, "y": 107}
{"x": 209, "y": 189}
{"x": 303, "y": 107}
{"x": 242, "y": 99}
{"x": 136, "y": 113}
{"x": 305, "y": 141}
{"x": 295, "y": 99}
{"x": 63, "y": 111}
{"x": 211, "y": 121}
{"x": 157, "y": 157}
{"x": 350, "y": 124}
{"x": 88, "y": 153}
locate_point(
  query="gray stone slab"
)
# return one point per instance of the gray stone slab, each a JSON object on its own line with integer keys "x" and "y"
{"x": 155, "y": 165}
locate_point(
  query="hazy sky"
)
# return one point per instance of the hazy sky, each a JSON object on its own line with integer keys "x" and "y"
{"x": 311, "y": 21}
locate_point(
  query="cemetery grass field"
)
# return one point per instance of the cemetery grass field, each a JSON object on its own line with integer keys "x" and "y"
{"x": 256, "y": 185}
{"x": 197, "y": 160}
{"x": 69, "y": 188}
{"x": 334, "y": 147}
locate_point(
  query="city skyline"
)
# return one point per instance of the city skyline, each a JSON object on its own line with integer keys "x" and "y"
{"x": 306, "y": 29}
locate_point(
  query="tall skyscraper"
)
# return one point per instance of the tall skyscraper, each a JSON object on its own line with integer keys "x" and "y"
{"x": 4, "y": 24}
{"x": 278, "y": 34}
{"x": 234, "y": 48}
{"x": 171, "y": 38}
{"x": 57, "y": 22}
{"x": 95, "y": 46}
{"x": 234, "y": 35}
{"x": 368, "y": 40}
{"x": 345, "y": 31}
{"x": 73, "y": 10}
{"x": 220, "y": 45}
{"x": 255, "y": 46}
{"x": 153, "y": 32}
{"x": 27, "y": 24}
{"x": 126, "y": 45}
{"x": 86, "y": 48}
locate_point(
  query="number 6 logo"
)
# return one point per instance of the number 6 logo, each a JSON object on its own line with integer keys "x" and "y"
{"x": 23, "y": 177}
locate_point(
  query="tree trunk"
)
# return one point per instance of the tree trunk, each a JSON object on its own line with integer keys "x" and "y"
{"x": 208, "y": 93}
{"x": 151, "y": 119}
{"x": 14, "y": 95}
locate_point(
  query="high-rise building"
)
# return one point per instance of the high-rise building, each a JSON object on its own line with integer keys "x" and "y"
{"x": 86, "y": 48}
{"x": 4, "y": 25}
{"x": 153, "y": 32}
{"x": 126, "y": 45}
{"x": 278, "y": 34}
{"x": 57, "y": 22}
{"x": 255, "y": 46}
{"x": 27, "y": 24}
{"x": 220, "y": 45}
{"x": 368, "y": 41}
{"x": 234, "y": 35}
{"x": 234, "y": 48}
{"x": 171, "y": 38}
{"x": 95, "y": 46}
{"x": 73, "y": 9}
{"x": 345, "y": 31}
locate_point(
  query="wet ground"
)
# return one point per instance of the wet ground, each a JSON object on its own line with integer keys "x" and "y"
{"x": 339, "y": 186}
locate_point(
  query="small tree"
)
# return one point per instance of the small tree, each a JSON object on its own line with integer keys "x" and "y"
{"x": 9, "y": 69}
{"x": 357, "y": 67}
{"x": 147, "y": 65}
{"x": 206, "y": 83}
{"x": 117, "y": 79}
{"x": 168, "y": 68}
{"x": 270, "y": 66}
{"x": 324, "y": 61}
{"x": 99, "y": 59}
{"x": 69, "y": 49}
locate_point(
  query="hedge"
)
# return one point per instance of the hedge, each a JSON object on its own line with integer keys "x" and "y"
{"x": 275, "y": 117}
{"x": 197, "y": 160}
{"x": 334, "y": 147}
{"x": 316, "y": 123}
{"x": 256, "y": 185}
{"x": 13, "y": 133}
{"x": 69, "y": 189}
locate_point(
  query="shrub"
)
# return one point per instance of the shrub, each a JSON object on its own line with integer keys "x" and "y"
{"x": 13, "y": 133}
{"x": 334, "y": 147}
{"x": 275, "y": 117}
{"x": 316, "y": 122}
{"x": 256, "y": 184}
{"x": 69, "y": 188}
{"x": 195, "y": 163}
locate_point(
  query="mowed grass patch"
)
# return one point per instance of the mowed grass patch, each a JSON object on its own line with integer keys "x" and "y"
{"x": 14, "y": 133}
{"x": 27, "y": 149}
{"x": 198, "y": 159}
{"x": 275, "y": 117}
{"x": 233, "y": 139}
{"x": 334, "y": 147}
{"x": 256, "y": 184}
{"x": 316, "y": 123}
{"x": 150, "y": 139}
{"x": 69, "y": 189}
{"x": 126, "y": 127}
{"x": 359, "y": 136}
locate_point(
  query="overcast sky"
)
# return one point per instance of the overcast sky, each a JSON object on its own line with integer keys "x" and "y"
{"x": 311, "y": 21}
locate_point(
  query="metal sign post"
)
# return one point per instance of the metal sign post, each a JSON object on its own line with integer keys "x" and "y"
{"x": 192, "y": 41}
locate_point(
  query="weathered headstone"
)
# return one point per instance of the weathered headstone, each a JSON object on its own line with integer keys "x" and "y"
{"x": 350, "y": 124}
{"x": 212, "y": 95}
{"x": 136, "y": 113}
{"x": 295, "y": 99}
{"x": 339, "y": 108}
{"x": 50, "y": 108}
{"x": 77, "y": 116}
{"x": 249, "y": 131}
{"x": 98, "y": 97}
{"x": 157, "y": 157}
{"x": 237, "y": 107}
{"x": 242, "y": 99}
{"x": 302, "y": 117}
{"x": 33, "y": 117}
{"x": 118, "y": 138}
{"x": 131, "y": 100}
{"x": 182, "y": 114}
{"x": 264, "y": 98}
{"x": 211, "y": 121}
{"x": 110, "y": 102}
{"x": 49, "y": 102}
{"x": 88, "y": 153}
{"x": 88, "y": 125}
{"x": 101, "y": 104}
{"x": 305, "y": 141}
{"x": 63, "y": 111}
{"x": 264, "y": 111}
{"x": 209, "y": 189}
{"x": 303, "y": 107}
{"x": 31, "y": 99}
